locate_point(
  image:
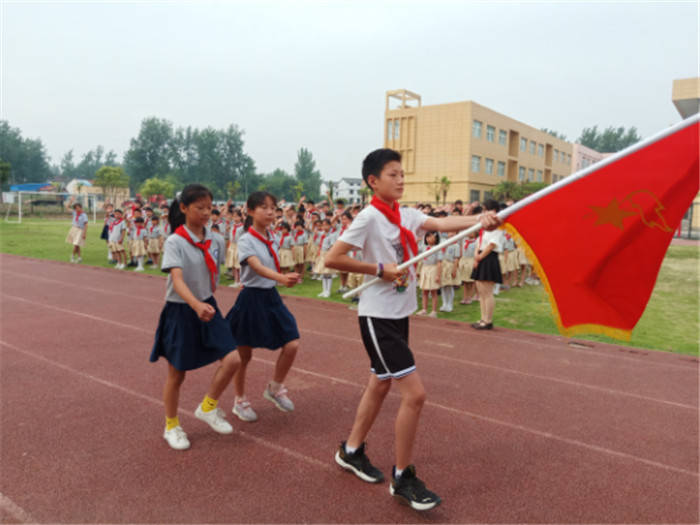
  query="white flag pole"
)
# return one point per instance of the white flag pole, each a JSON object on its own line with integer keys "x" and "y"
{"x": 538, "y": 195}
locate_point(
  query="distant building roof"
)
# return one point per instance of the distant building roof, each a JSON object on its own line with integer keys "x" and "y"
{"x": 33, "y": 186}
{"x": 350, "y": 180}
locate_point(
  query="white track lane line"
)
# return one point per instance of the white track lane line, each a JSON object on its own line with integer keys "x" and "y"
{"x": 466, "y": 362}
{"x": 274, "y": 446}
{"x": 522, "y": 428}
{"x": 538, "y": 344}
{"x": 14, "y": 510}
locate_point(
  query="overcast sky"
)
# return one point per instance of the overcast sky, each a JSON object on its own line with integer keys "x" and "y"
{"x": 314, "y": 74}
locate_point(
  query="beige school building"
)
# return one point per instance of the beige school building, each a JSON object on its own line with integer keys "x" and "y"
{"x": 475, "y": 147}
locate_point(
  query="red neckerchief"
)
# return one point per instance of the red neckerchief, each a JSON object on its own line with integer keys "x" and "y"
{"x": 315, "y": 236}
{"x": 343, "y": 229}
{"x": 208, "y": 259}
{"x": 284, "y": 236}
{"x": 151, "y": 229}
{"x": 267, "y": 243}
{"x": 297, "y": 234}
{"x": 138, "y": 231}
{"x": 481, "y": 235}
{"x": 393, "y": 215}
{"x": 166, "y": 227}
{"x": 320, "y": 244}
{"x": 111, "y": 226}
{"x": 236, "y": 225}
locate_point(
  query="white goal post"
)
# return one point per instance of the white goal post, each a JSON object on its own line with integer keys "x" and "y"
{"x": 43, "y": 204}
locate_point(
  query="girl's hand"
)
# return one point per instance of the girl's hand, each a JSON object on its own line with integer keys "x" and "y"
{"x": 205, "y": 311}
{"x": 438, "y": 278}
{"x": 289, "y": 279}
{"x": 454, "y": 273}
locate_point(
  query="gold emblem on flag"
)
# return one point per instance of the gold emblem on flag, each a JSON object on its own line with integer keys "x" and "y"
{"x": 642, "y": 203}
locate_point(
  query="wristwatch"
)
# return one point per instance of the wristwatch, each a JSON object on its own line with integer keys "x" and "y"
{"x": 380, "y": 269}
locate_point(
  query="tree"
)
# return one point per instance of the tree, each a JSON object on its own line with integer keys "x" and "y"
{"x": 157, "y": 186}
{"x": 151, "y": 152}
{"x": 507, "y": 190}
{"x": 305, "y": 172}
{"x": 5, "y": 171}
{"x": 298, "y": 191}
{"x": 435, "y": 189}
{"x": 280, "y": 184}
{"x": 27, "y": 157}
{"x": 609, "y": 141}
{"x": 111, "y": 179}
{"x": 444, "y": 187}
{"x": 233, "y": 189}
{"x": 331, "y": 190}
{"x": 365, "y": 192}
{"x": 555, "y": 134}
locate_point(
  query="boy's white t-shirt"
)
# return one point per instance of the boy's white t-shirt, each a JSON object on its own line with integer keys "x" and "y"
{"x": 380, "y": 242}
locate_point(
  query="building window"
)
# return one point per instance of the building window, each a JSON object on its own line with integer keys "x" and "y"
{"x": 389, "y": 129}
{"x": 568, "y": 159}
{"x": 474, "y": 196}
{"x": 540, "y": 150}
{"x": 531, "y": 175}
{"x": 490, "y": 133}
{"x": 489, "y": 166}
{"x": 476, "y": 129}
{"x": 397, "y": 124}
{"x": 521, "y": 173}
{"x": 523, "y": 144}
{"x": 532, "y": 147}
{"x": 488, "y": 195}
{"x": 539, "y": 176}
{"x": 501, "y": 169}
{"x": 502, "y": 136}
{"x": 556, "y": 155}
{"x": 476, "y": 163}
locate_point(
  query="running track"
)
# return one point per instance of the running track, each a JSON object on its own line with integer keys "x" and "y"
{"x": 518, "y": 427}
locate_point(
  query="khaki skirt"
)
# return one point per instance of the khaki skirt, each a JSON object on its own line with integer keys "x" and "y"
{"x": 311, "y": 253}
{"x": 355, "y": 280}
{"x": 447, "y": 279}
{"x": 522, "y": 258}
{"x": 232, "y": 256}
{"x": 75, "y": 236}
{"x": 464, "y": 272}
{"x": 320, "y": 267}
{"x": 153, "y": 245}
{"x": 286, "y": 259}
{"x": 428, "y": 277}
{"x": 138, "y": 248}
{"x": 298, "y": 254}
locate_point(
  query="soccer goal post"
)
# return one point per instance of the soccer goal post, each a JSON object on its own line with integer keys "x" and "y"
{"x": 19, "y": 205}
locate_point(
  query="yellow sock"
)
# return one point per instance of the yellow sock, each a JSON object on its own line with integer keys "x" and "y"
{"x": 209, "y": 404}
{"x": 171, "y": 422}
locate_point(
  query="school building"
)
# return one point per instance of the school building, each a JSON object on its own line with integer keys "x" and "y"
{"x": 686, "y": 98}
{"x": 475, "y": 147}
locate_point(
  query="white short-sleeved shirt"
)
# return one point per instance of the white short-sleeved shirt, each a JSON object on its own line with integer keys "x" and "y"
{"x": 155, "y": 231}
{"x": 249, "y": 246}
{"x": 116, "y": 230}
{"x": 434, "y": 258}
{"x": 380, "y": 241}
{"x": 495, "y": 237}
{"x": 451, "y": 252}
{"x": 179, "y": 253}
{"x": 79, "y": 221}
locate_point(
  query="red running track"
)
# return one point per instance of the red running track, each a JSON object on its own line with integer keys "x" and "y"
{"x": 518, "y": 427}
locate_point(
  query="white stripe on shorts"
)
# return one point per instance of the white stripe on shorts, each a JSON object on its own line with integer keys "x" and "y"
{"x": 389, "y": 373}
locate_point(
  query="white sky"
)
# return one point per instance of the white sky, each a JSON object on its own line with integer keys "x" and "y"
{"x": 314, "y": 74}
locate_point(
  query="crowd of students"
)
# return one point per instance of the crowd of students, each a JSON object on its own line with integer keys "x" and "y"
{"x": 265, "y": 244}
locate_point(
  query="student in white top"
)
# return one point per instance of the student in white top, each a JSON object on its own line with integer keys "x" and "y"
{"x": 78, "y": 232}
{"x": 386, "y": 234}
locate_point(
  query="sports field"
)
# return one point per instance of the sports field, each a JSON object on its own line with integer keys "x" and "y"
{"x": 670, "y": 321}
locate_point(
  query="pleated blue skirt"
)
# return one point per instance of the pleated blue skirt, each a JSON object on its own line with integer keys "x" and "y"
{"x": 186, "y": 341}
{"x": 488, "y": 270}
{"x": 261, "y": 320}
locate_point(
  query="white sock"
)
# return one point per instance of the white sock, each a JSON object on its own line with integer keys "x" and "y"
{"x": 445, "y": 297}
{"x": 496, "y": 288}
{"x": 327, "y": 284}
{"x": 397, "y": 472}
{"x": 350, "y": 450}
{"x": 109, "y": 255}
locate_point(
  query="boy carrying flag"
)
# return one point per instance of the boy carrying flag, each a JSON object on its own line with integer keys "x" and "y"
{"x": 387, "y": 235}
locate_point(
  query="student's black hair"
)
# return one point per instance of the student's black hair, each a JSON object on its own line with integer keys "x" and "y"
{"x": 237, "y": 212}
{"x": 428, "y": 234}
{"x": 138, "y": 219}
{"x": 285, "y": 225}
{"x": 326, "y": 221}
{"x": 279, "y": 209}
{"x": 148, "y": 208}
{"x": 155, "y": 218}
{"x": 310, "y": 202}
{"x": 491, "y": 205}
{"x": 231, "y": 207}
{"x": 374, "y": 162}
{"x": 215, "y": 227}
{"x": 255, "y": 199}
{"x": 340, "y": 201}
{"x": 477, "y": 210}
{"x": 76, "y": 205}
{"x": 347, "y": 214}
{"x": 118, "y": 210}
{"x": 458, "y": 201}
{"x": 302, "y": 208}
{"x": 191, "y": 193}
{"x": 215, "y": 212}
{"x": 299, "y": 223}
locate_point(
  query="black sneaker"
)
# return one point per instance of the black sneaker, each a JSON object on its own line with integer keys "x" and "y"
{"x": 359, "y": 464}
{"x": 411, "y": 491}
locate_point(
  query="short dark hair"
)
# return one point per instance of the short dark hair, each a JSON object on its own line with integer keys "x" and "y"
{"x": 374, "y": 162}
{"x": 491, "y": 205}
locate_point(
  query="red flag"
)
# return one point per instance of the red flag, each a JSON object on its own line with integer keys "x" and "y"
{"x": 597, "y": 240}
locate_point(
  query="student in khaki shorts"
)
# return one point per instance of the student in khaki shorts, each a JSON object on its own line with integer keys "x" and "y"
{"x": 386, "y": 234}
{"x": 78, "y": 232}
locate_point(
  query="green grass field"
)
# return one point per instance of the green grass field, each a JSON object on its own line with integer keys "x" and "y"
{"x": 669, "y": 323}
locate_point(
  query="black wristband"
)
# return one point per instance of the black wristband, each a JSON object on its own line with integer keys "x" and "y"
{"x": 380, "y": 270}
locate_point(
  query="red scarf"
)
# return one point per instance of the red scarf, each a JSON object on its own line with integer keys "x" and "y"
{"x": 393, "y": 215}
{"x": 315, "y": 236}
{"x": 236, "y": 225}
{"x": 208, "y": 259}
{"x": 320, "y": 244}
{"x": 297, "y": 234}
{"x": 111, "y": 226}
{"x": 151, "y": 229}
{"x": 267, "y": 243}
{"x": 284, "y": 236}
{"x": 138, "y": 231}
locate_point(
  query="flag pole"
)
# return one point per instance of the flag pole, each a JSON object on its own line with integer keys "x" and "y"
{"x": 503, "y": 214}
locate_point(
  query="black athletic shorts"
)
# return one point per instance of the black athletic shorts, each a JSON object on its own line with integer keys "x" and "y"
{"x": 386, "y": 342}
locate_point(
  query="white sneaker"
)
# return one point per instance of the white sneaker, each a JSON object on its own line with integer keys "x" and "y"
{"x": 80, "y": 259}
{"x": 280, "y": 399}
{"x": 139, "y": 269}
{"x": 177, "y": 438}
{"x": 72, "y": 259}
{"x": 243, "y": 410}
{"x": 215, "y": 419}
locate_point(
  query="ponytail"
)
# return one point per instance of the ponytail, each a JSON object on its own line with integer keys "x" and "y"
{"x": 248, "y": 222}
{"x": 175, "y": 216}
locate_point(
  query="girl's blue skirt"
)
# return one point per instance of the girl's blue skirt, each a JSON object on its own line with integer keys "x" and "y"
{"x": 488, "y": 270}
{"x": 260, "y": 319}
{"x": 186, "y": 341}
